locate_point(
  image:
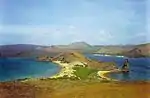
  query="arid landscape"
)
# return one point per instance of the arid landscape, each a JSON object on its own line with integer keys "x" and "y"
{"x": 74, "y": 89}
{"x": 74, "y": 49}
{"x": 78, "y": 78}
{"x": 25, "y": 50}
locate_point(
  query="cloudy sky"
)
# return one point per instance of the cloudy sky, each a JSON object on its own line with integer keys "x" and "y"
{"x": 50, "y": 22}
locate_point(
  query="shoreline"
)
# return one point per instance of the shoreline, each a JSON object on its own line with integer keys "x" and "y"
{"x": 40, "y": 78}
{"x": 108, "y": 55}
{"x": 66, "y": 70}
{"x": 103, "y": 74}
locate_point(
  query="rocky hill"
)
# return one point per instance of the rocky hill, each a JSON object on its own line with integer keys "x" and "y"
{"x": 142, "y": 50}
{"x": 71, "y": 57}
{"x": 110, "y": 50}
{"x": 27, "y": 50}
{"x": 23, "y": 50}
{"x": 113, "y": 50}
{"x": 77, "y": 46}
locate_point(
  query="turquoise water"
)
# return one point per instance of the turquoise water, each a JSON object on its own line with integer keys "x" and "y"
{"x": 139, "y": 67}
{"x": 19, "y": 68}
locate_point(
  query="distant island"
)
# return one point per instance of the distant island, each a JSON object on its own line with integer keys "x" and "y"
{"x": 27, "y": 50}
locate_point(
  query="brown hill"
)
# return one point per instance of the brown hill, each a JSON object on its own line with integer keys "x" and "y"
{"x": 25, "y": 50}
{"x": 142, "y": 50}
{"x": 113, "y": 50}
{"x": 69, "y": 57}
{"x": 77, "y": 46}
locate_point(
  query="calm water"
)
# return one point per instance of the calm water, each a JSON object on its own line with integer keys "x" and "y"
{"x": 139, "y": 67}
{"x": 18, "y": 68}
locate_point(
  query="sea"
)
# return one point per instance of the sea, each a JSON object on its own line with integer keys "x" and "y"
{"x": 20, "y": 68}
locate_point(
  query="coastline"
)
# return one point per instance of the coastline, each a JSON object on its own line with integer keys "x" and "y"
{"x": 103, "y": 74}
{"x": 61, "y": 68}
{"x": 107, "y": 55}
{"x": 66, "y": 70}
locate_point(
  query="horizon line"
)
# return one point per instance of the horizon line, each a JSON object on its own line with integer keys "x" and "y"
{"x": 76, "y": 42}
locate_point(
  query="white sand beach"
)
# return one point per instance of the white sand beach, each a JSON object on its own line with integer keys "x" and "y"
{"x": 103, "y": 74}
{"x": 67, "y": 70}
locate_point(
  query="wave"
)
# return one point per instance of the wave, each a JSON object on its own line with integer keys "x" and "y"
{"x": 120, "y": 56}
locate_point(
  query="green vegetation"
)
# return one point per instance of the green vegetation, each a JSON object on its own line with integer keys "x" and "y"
{"x": 85, "y": 72}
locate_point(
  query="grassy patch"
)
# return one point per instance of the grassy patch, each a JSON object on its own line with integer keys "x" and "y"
{"x": 84, "y": 72}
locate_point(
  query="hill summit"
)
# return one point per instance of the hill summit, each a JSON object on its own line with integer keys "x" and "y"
{"x": 71, "y": 57}
{"x": 79, "y": 45}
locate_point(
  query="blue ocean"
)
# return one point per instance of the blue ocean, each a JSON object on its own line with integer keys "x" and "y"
{"x": 139, "y": 67}
{"x": 19, "y": 68}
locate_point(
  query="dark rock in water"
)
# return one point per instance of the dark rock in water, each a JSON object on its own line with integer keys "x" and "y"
{"x": 125, "y": 66}
{"x": 124, "y": 71}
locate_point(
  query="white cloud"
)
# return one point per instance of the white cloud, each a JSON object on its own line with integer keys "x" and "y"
{"x": 25, "y": 29}
{"x": 47, "y": 34}
{"x": 104, "y": 36}
{"x": 57, "y": 34}
{"x": 61, "y": 34}
{"x": 142, "y": 34}
{"x": 72, "y": 27}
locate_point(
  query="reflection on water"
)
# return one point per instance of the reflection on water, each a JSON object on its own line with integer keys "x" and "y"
{"x": 121, "y": 76}
{"x": 130, "y": 76}
{"x": 126, "y": 75}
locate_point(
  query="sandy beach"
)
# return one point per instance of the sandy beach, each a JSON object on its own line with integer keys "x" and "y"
{"x": 66, "y": 70}
{"x": 103, "y": 74}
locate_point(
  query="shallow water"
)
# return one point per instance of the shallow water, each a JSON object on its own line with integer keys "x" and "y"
{"x": 19, "y": 68}
{"x": 139, "y": 67}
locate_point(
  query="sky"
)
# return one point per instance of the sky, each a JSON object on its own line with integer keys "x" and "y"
{"x": 99, "y": 22}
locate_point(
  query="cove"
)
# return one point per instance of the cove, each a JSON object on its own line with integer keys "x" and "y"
{"x": 20, "y": 68}
{"x": 139, "y": 67}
